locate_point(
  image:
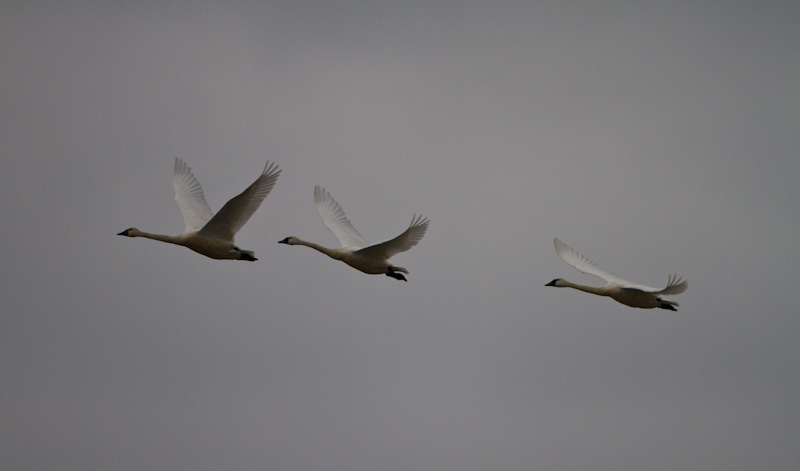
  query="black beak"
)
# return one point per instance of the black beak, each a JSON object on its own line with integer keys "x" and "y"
{"x": 284, "y": 241}
{"x": 125, "y": 232}
{"x": 552, "y": 283}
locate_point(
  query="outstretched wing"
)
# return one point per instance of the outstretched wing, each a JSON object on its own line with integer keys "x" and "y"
{"x": 335, "y": 220}
{"x": 189, "y": 197}
{"x": 582, "y": 263}
{"x": 675, "y": 285}
{"x": 409, "y": 238}
{"x": 236, "y": 212}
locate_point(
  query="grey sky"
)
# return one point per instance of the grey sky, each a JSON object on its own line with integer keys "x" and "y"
{"x": 654, "y": 137}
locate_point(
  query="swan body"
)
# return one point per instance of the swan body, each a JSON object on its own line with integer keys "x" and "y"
{"x": 622, "y": 291}
{"x": 355, "y": 250}
{"x": 207, "y": 233}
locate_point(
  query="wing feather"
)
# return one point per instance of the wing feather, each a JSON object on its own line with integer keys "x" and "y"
{"x": 189, "y": 197}
{"x": 335, "y": 220}
{"x": 236, "y": 212}
{"x": 582, "y": 263}
{"x": 409, "y": 238}
{"x": 675, "y": 285}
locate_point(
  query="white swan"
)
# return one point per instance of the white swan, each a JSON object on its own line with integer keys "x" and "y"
{"x": 355, "y": 251}
{"x": 208, "y": 233}
{"x": 622, "y": 291}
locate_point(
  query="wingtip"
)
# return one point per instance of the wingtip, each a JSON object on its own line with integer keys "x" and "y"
{"x": 181, "y": 167}
{"x": 560, "y": 246}
{"x": 677, "y": 284}
{"x": 419, "y": 221}
{"x": 320, "y": 194}
{"x": 271, "y": 168}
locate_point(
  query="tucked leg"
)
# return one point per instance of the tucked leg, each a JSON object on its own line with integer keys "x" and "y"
{"x": 396, "y": 276}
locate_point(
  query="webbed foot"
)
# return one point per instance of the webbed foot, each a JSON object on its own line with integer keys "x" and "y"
{"x": 397, "y": 276}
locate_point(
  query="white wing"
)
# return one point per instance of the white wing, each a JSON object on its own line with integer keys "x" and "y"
{"x": 675, "y": 285}
{"x": 401, "y": 243}
{"x": 583, "y": 264}
{"x": 335, "y": 220}
{"x": 236, "y": 212}
{"x": 189, "y": 197}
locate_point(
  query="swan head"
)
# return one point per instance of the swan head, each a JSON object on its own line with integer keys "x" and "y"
{"x": 131, "y": 232}
{"x": 292, "y": 240}
{"x": 558, "y": 283}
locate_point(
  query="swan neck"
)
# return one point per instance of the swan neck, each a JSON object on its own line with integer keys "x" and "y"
{"x": 320, "y": 248}
{"x": 162, "y": 237}
{"x": 599, "y": 290}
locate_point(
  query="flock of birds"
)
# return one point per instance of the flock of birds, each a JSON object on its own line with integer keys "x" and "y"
{"x": 213, "y": 235}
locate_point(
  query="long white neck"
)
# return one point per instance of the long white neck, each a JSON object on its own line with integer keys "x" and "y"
{"x": 332, "y": 253}
{"x": 177, "y": 240}
{"x": 599, "y": 290}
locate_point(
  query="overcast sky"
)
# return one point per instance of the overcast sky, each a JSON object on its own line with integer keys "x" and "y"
{"x": 653, "y": 137}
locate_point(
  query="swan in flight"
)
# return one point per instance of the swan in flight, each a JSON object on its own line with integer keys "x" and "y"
{"x": 355, "y": 250}
{"x": 622, "y": 291}
{"x": 208, "y": 233}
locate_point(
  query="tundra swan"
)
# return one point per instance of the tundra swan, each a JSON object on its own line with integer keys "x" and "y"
{"x": 207, "y": 233}
{"x": 622, "y": 291}
{"x": 355, "y": 250}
